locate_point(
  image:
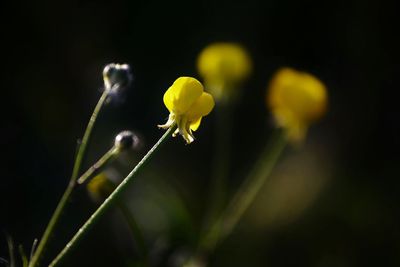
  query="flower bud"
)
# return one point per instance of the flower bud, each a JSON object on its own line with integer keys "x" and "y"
{"x": 117, "y": 77}
{"x": 126, "y": 140}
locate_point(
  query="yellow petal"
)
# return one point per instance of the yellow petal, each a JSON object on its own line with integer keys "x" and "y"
{"x": 182, "y": 94}
{"x": 299, "y": 94}
{"x": 201, "y": 107}
{"x": 227, "y": 61}
{"x": 100, "y": 187}
{"x": 195, "y": 125}
{"x": 296, "y": 99}
{"x": 168, "y": 99}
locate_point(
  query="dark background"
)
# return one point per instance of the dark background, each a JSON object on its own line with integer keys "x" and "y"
{"x": 53, "y": 57}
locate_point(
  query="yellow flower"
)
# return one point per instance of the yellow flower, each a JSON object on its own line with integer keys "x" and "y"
{"x": 100, "y": 187}
{"x": 223, "y": 66}
{"x": 296, "y": 99}
{"x": 187, "y": 103}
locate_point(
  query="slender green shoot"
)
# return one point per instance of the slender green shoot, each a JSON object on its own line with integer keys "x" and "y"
{"x": 245, "y": 195}
{"x": 107, "y": 204}
{"x": 75, "y": 173}
{"x": 221, "y": 164}
{"x": 106, "y": 158}
{"x": 23, "y": 256}
{"x": 10, "y": 244}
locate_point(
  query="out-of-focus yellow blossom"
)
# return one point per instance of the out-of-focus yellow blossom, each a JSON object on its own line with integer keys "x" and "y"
{"x": 100, "y": 187}
{"x": 223, "y": 67}
{"x": 187, "y": 103}
{"x": 296, "y": 99}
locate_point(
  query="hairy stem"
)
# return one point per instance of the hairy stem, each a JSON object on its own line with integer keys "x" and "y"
{"x": 107, "y": 204}
{"x": 106, "y": 158}
{"x": 71, "y": 185}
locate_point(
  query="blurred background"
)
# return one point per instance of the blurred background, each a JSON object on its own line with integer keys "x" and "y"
{"x": 332, "y": 202}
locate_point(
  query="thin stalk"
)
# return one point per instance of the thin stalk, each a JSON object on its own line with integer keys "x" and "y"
{"x": 221, "y": 164}
{"x": 71, "y": 185}
{"x": 33, "y": 248}
{"x": 10, "y": 244}
{"x": 246, "y": 193}
{"x": 107, "y": 204}
{"x": 24, "y": 259}
{"x": 136, "y": 231}
{"x": 106, "y": 158}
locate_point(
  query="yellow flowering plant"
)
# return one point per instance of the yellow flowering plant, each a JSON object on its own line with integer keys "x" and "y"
{"x": 296, "y": 99}
{"x": 223, "y": 66}
{"x": 187, "y": 103}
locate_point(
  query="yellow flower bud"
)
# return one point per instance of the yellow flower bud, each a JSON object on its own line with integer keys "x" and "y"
{"x": 296, "y": 99}
{"x": 187, "y": 103}
{"x": 223, "y": 66}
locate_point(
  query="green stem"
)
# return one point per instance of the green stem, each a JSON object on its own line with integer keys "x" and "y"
{"x": 246, "y": 193}
{"x": 221, "y": 160}
{"x": 10, "y": 244}
{"x": 107, "y": 157}
{"x": 71, "y": 185}
{"x": 33, "y": 248}
{"x": 24, "y": 259}
{"x": 110, "y": 200}
{"x": 136, "y": 231}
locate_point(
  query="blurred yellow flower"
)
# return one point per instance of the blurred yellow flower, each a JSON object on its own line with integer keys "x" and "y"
{"x": 187, "y": 103}
{"x": 223, "y": 66}
{"x": 100, "y": 187}
{"x": 296, "y": 99}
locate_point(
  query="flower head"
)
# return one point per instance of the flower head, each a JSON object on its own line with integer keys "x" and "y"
{"x": 223, "y": 66}
{"x": 126, "y": 140}
{"x": 296, "y": 99}
{"x": 101, "y": 186}
{"x": 187, "y": 103}
{"x": 116, "y": 77}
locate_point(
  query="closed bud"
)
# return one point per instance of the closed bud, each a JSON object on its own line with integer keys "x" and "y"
{"x": 117, "y": 77}
{"x": 126, "y": 140}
